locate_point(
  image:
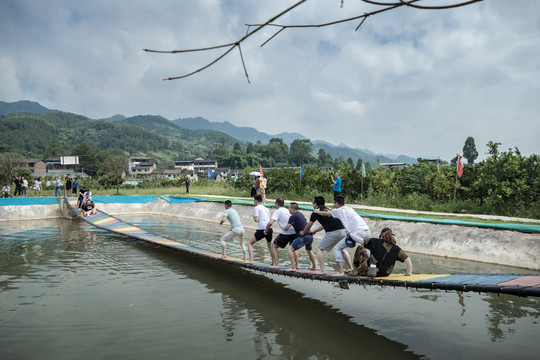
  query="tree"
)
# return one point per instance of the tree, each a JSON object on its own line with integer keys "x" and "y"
{"x": 9, "y": 165}
{"x": 324, "y": 158}
{"x": 300, "y": 152}
{"x": 469, "y": 150}
{"x": 114, "y": 167}
{"x": 277, "y": 150}
{"x": 54, "y": 148}
{"x": 90, "y": 158}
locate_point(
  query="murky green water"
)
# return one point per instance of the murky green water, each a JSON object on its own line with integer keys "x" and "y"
{"x": 70, "y": 291}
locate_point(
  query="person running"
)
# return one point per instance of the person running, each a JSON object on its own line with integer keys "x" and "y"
{"x": 281, "y": 215}
{"x": 384, "y": 254}
{"x": 335, "y": 231}
{"x": 298, "y": 221}
{"x": 356, "y": 228}
{"x": 261, "y": 215}
{"x": 236, "y": 228}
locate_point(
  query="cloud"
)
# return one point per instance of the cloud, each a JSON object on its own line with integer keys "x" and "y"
{"x": 408, "y": 81}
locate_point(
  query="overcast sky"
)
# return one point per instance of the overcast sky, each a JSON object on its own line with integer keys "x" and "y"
{"x": 413, "y": 82}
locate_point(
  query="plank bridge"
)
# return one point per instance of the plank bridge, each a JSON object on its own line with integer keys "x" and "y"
{"x": 513, "y": 284}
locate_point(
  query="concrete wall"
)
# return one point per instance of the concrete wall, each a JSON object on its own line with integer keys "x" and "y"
{"x": 471, "y": 243}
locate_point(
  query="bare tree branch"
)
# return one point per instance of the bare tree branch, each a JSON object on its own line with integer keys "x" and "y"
{"x": 386, "y": 7}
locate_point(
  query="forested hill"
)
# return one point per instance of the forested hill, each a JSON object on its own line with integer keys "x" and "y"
{"x": 32, "y": 134}
{"x": 24, "y": 106}
{"x": 242, "y": 133}
{"x": 39, "y": 136}
{"x": 37, "y": 132}
{"x": 249, "y": 134}
{"x": 162, "y": 126}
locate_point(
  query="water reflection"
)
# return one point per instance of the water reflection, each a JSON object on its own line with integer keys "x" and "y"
{"x": 503, "y": 315}
{"x": 105, "y": 285}
{"x": 286, "y": 323}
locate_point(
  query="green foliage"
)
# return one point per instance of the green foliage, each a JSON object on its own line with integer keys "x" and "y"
{"x": 10, "y": 164}
{"x": 469, "y": 150}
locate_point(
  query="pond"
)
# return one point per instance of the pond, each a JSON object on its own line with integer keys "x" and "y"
{"x": 68, "y": 290}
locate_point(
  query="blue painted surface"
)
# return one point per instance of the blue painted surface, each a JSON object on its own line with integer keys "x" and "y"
{"x": 28, "y": 201}
{"x": 473, "y": 279}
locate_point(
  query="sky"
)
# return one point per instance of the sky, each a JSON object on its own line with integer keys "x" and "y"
{"x": 409, "y": 81}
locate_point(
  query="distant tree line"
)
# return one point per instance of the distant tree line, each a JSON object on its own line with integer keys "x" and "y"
{"x": 505, "y": 183}
{"x": 300, "y": 152}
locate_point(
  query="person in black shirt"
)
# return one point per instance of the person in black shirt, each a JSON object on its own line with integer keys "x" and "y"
{"x": 335, "y": 231}
{"x": 384, "y": 254}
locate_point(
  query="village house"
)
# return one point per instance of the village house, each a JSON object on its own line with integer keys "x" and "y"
{"x": 196, "y": 165}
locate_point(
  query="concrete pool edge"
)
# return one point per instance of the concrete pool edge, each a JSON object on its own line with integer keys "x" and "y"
{"x": 505, "y": 247}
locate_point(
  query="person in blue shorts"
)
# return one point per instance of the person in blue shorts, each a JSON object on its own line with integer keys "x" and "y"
{"x": 281, "y": 215}
{"x": 298, "y": 221}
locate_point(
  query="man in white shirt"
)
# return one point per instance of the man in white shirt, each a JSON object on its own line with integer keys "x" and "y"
{"x": 355, "y": 227}
{"x": 281, "y": 215}
{"x": 261, "y": 215}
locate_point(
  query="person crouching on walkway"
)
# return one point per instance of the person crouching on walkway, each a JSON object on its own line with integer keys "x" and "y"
{"x": 261, "y": 215}
{"x": 335, "y": 231}
{"x": 384, "y": 254}
{"x": 236, "y": 228}
{"x": 88, "y": 208}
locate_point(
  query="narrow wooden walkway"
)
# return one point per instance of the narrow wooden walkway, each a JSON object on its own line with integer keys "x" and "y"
{"x": 521, "y": 285}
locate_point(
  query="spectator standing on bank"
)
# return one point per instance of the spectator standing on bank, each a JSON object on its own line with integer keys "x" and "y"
{"x": 187, "y": 186}
{"x": 57, "y": 186}
{"x": 75, "y": 186}
{"x": 37, "y": 187}
{"x": 262, "y": 188}
{"x": 336, "y": 184}
{"x": 17, "y": 183}
{"x": 69, "y": 185}
{"x": 24, "y": 186}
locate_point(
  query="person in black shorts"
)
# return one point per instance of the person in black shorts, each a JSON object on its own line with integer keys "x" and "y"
{"x": 261, "y": 215}
{"x": 281, "y": 215}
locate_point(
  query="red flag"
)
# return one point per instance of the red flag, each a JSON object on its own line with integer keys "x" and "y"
{"x": 459, "y": 166}
{"x": 260, "y": 170}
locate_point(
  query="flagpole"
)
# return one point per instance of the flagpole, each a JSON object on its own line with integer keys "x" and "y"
{"x": 456, "y": 183}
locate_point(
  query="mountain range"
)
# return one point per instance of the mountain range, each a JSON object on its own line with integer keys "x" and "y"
{"x": 199, "y": 130}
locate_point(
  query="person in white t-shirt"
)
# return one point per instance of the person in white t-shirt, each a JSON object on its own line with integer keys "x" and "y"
{"x": 281, "y": 215}
{"x": 37, "y": 187}
{"x": 356, "y": 228}
{"x": 261, "y": 215}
